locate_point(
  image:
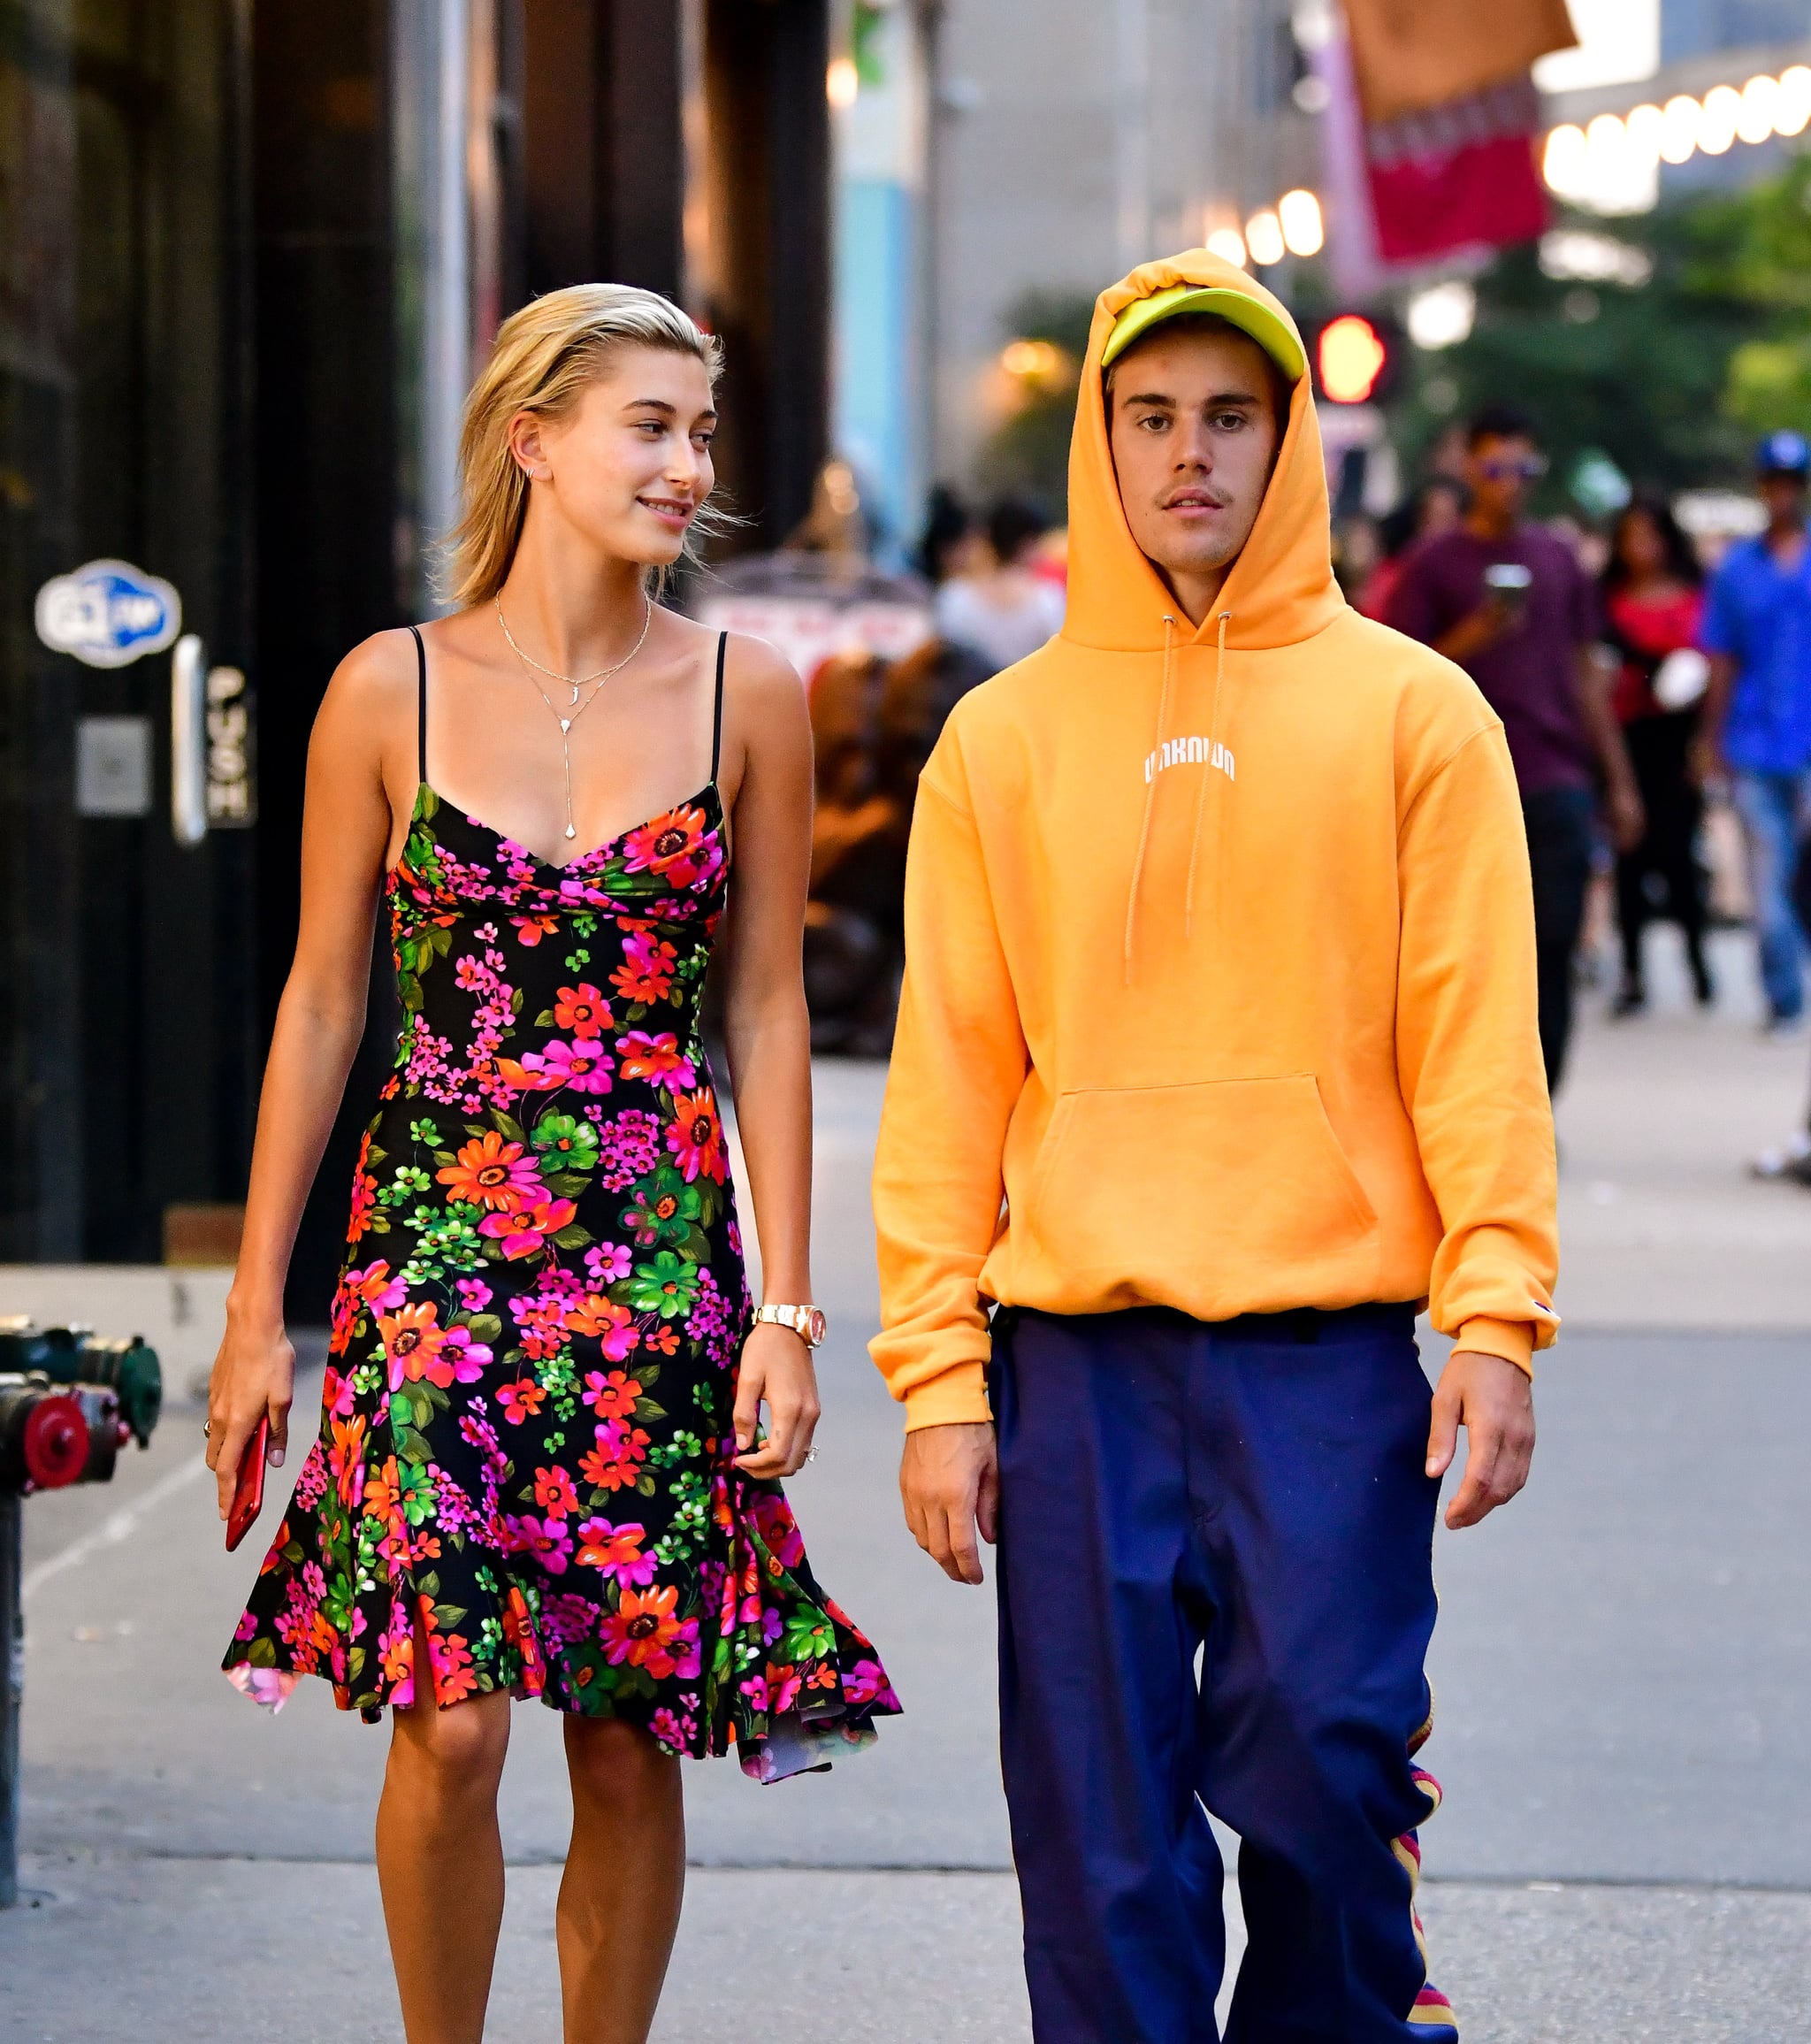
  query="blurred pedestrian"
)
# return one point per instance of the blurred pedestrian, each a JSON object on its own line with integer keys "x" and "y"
{"x": 461, "y": 1532}
{"x": 1653, "y": 602}
{"x": 1755, "y": 729}
{"x": 1512, "y": 605}
{"x": 1436, "y": 507}
{"x": 1002, "y": 609}
{"x": 950, "y": 543}
{"x": 1216, "y": 1052}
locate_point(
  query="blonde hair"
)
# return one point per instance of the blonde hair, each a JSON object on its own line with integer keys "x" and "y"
{"x": 544, "y": 358}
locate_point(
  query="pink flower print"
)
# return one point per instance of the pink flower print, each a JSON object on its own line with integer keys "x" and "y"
{"x": 657, "y": 1058}
{"x": 525, "y": 1234}
{"x": 607, "y": 1263}
{"x": 460, "y": 1360}
{"x": 474, "y": 1293}
{"x": 580, "y": 1064}
{"x": 555, "y": 1494}
{"x": 667, "y": 1729}
{"x": 546, "y": 1540}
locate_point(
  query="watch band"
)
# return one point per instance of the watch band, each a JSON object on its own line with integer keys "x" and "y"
{"x": 807, "y": 1321}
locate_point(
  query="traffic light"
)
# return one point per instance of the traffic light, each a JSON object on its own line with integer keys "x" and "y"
{"x": 1355, "y": 357}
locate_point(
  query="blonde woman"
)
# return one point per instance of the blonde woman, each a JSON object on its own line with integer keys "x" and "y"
{"x": 541, "y": 1470}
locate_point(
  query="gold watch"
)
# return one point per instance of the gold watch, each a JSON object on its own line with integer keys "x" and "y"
{"x": 807, "y": 1321}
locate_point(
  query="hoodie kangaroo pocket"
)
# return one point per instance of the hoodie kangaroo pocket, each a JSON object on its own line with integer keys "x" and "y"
{"x": 1165, "y": 1188}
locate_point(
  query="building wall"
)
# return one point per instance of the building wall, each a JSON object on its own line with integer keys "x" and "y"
{"x": 1076, "y": 137}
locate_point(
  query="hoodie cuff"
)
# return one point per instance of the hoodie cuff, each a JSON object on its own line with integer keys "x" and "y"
{"x": 959, "y": 1398}
{"x": 1512, "y": 1340}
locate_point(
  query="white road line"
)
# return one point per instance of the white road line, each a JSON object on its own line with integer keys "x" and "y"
{"x": 120, "y": 1525}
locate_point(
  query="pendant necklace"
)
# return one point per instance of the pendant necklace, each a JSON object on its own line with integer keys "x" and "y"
{"x": 575, "y": 683}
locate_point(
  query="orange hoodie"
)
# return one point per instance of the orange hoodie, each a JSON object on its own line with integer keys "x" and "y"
{"x": 1220, "y": 988}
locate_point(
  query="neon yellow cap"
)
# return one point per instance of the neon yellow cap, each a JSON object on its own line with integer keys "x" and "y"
{"x": 1251, "y": 315}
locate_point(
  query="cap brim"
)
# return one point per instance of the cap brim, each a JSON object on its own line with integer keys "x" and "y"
{"x": 1268, "y": 329}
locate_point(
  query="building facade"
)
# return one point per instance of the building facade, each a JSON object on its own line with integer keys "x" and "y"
{"x": 250, "y": 258}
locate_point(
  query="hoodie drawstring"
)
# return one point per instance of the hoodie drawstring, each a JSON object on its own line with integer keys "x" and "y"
{"x": 1213, "y": 747}
{"x": 1163, "y": 709}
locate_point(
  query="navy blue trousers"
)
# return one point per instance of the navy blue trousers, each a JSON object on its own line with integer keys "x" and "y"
{"x": 1216, "y": 1589}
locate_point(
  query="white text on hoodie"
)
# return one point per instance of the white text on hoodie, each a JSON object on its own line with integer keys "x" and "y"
{"x": 1187, "y": 752}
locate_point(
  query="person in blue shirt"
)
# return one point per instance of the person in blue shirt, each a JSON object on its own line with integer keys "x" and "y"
{"x": 1756, "y": 728}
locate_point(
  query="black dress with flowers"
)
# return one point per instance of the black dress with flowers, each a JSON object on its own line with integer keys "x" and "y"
{"x": 526, "y": 1448}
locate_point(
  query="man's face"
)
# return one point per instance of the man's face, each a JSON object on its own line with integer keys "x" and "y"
{"x": 1500, "y": 471}
{"x": 1784, "y": 495}
{"x": 1194, "y": 436}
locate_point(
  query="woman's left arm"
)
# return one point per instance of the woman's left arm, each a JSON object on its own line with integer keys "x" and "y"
{"x": 767, "y": 1034}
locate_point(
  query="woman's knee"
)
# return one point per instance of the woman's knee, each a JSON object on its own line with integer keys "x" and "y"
{"x": 615, "y": 1762}
{"x": 461, "y": 1748}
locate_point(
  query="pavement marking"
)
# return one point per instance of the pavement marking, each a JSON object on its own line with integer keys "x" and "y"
{"x": 117, "y": 1527}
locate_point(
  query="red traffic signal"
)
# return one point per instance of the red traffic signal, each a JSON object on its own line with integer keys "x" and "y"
{"x": 1352, "y": 356}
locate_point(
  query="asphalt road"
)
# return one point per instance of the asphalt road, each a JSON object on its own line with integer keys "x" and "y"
{"x": 1622, "y": 1667}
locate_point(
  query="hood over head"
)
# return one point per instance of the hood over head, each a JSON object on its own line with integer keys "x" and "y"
{"x": 1280, "y": 589}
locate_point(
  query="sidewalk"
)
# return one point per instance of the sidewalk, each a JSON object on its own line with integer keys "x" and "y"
{"x": 1625, "y": 1850}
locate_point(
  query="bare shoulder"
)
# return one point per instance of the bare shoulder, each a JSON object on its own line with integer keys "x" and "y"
{"x": 758, "y": 680}
{"x": 374, "y": 685}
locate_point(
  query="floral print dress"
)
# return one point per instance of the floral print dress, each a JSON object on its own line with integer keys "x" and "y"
{"x": 526, "y": 1445}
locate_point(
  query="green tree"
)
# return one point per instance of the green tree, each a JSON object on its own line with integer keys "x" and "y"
{"x": 1671, "y": 377}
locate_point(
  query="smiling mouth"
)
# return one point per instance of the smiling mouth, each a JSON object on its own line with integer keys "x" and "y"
{"x": 1193, "y": 500}
{"x": 668, "y": 507}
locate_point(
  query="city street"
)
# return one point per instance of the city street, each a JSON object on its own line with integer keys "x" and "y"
{"x": 1623, "y": 1675}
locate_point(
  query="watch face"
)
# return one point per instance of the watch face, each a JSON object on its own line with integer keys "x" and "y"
{"x": 816, "y": 1325}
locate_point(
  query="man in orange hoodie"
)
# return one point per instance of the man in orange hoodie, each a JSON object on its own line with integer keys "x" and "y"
{"x": 1216, "y": 1058}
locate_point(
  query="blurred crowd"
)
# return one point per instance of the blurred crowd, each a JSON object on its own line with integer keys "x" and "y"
{"x": 1655, "y": 688}
{"x": 996, "y": 582}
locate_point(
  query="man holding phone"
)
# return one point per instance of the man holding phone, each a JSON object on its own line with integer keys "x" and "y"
{"x": 1508, "y": 602}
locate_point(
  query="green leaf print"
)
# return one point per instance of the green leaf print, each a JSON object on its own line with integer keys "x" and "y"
{"x": 567, "y": 1184}
{"x": 507, "y": 1127}
{"x": 572, "y": 1237}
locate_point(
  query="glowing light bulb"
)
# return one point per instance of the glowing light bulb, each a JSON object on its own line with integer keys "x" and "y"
{"x": 1228, "y": 244}
{"x": 1723, "y": 110}
{"x": 1299, "y": 214}
{"x": 842, "y": 81}
{"x": 1760, "y": 103}
{"x": 1792, "y": 114}
{"x": 1562, "y": 163}
{"x": 1263, "y": 237}
{"x": 1681, "y": 120}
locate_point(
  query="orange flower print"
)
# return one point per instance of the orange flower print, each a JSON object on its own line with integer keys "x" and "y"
{"x": 581, "y": 1009}
{"x": 612, "y": 1396}
{"x": 521, "y": 1401}
{"x": 695, "y": 1137}
{"x": 555, "y": 1494}
{"x": 382, "y": 1492}
{"x": 605, "y": 1321}
{"x": 646, "y": 971}
{"x": 493, "y": 1175}
{"x": 412, "y": 1339}
{"x": 641, "y": 1630}
{"x": 529, "y": 930}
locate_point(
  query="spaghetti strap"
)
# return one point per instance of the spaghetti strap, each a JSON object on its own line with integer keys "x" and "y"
{"x": 421, "y": 706}
{"x": 717, "y": 712}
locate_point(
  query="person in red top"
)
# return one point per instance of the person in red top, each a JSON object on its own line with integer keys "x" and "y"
{"x": 1652, "y": 600}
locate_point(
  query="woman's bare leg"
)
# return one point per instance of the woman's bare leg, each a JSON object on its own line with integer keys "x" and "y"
{"x": 625, "y": 1878}
{"x": 441, "y": 1861}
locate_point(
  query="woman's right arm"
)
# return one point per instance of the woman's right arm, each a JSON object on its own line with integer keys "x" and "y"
{"x": 347, "y": 829}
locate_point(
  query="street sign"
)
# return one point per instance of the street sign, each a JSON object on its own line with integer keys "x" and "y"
{"x": 108, "y": 614}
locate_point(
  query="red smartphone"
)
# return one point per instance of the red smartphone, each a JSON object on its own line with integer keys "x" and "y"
{"x": 249, "y": 1491}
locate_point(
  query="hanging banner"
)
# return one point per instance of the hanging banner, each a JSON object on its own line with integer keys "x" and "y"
{"x": 1408, "y": 56}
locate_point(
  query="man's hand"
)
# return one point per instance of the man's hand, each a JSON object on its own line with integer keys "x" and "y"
{"x": 1494, "y": 1402}
{"x": 950, "y": 1479}
{"x": 1626, "y": 813}
{"x": 1478, "y": 630}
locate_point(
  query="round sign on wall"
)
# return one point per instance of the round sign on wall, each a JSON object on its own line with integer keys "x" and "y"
{"x": 108, "y": 614}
